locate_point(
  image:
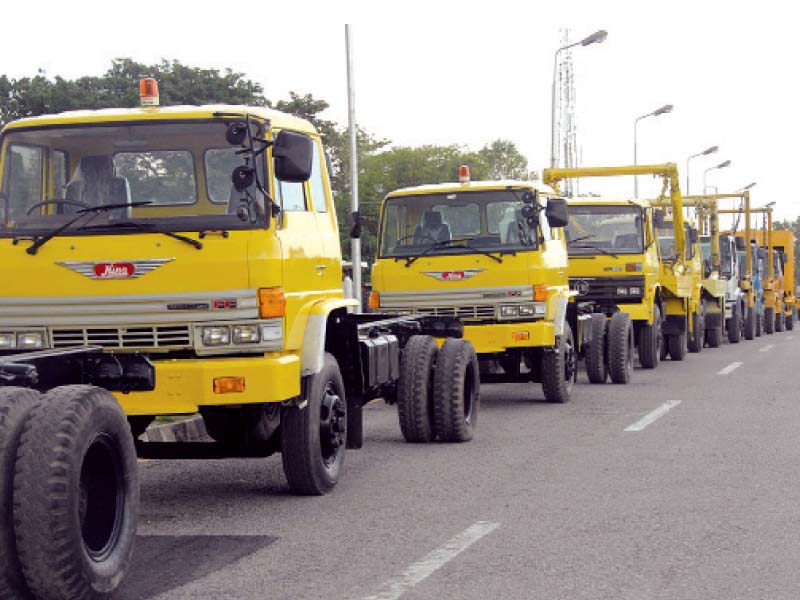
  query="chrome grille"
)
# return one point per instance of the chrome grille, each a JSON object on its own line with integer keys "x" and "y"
{"x": 462, "y": 312}
{"x": 143, "y": 336}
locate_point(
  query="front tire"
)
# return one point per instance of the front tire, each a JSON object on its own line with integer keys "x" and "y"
{"x": 76, "y": 495}
{"x": 596, "y": 369}
{"x": 735, "y": 325}
{"x": 697, "y": 337}
{"x": 790, "y": 319}
{"x": 16, "y": 405}
{"x": 779, "y": 320}
{"x": 313, "y": 437}
{"x": 750, "y": 323}
{"x": 620, "y": 348}
{"x": 415, "y": 389}
{"x": 558, "y": 368}
{"x": 651, "y": 341}
{"x": 769, "y": 321}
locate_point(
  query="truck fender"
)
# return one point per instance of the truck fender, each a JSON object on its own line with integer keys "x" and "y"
{"x": 558, "y": 306}
{"x": 313, "y": 350}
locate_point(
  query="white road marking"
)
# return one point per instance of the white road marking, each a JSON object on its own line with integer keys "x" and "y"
{"x": 789, "y": 337}
{"x": 767, "y": 347}
{"x": 730, "y": 368}
{"x": 650, "y": 417}
{"x": 431, "y": 562}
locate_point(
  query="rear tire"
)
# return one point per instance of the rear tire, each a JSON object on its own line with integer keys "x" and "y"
{"x": 651, "y": 341}
{"x": 456, "y": 391}
{"x": 76, "y": 495}
{"x": 313, "y": 438}
{"x": 620, "y": 348}
{"x": 789, "y": 319}
{"x": 759, "y": 324}
{"x": 16, "y": 405}
{"x": 769, "y": 321}
{"x": 596, "y": 369}
{"x": 415, "y": 389}
{"x": 779, "y": 320}
{"x": 558, "y": 368}
{"x": 714, "y": 337}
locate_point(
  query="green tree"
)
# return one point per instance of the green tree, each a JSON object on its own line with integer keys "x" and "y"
{"x": 502, "y": 160}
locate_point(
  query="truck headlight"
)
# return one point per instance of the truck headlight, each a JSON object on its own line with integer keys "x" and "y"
{"x": 31, "y": 340}
{"x": 622, "y": 291}
{"x": 540, "y": 309}
{"x": 216, "y": 336}
{"x": 7, "y": 340}
{"x": 272, "y": 332}
{"x": 246, "y": 334}
{"x": 509, "y": 310}
{"x": 527, "y": 310}
{"x": 636, "y": 291}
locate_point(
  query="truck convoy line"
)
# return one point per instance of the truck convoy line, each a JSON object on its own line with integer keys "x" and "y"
{"x": 182, "y": 260}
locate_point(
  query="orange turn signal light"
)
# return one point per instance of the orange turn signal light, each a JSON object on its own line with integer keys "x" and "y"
{"x": 374, "y": 300}
{"x": 271, "y": 303}
{"x": 520, "y": 336}
{"x": 229, "y": 385}
{"x": 540, "y": 293}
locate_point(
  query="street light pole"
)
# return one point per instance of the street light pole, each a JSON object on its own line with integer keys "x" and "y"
{"x": 596, "y": 38}
{"x": 721, "y": 165}
{"x": 666, "y": 109}
{"x": 705, "y": 152}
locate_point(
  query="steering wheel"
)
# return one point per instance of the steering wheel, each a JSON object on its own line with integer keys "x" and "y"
{"x": 56, "y": 201}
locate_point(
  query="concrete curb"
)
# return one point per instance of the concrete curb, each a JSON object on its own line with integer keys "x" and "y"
{"x": 192, "y": 429}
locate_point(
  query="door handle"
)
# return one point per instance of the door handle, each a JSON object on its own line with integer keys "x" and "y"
{"x": 321, "y": 269}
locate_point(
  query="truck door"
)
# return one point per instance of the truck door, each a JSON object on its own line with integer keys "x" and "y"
{"x": 328, "y": 267}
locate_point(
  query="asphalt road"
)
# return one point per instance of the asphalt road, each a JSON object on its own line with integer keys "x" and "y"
{"x": 548, "y": 501}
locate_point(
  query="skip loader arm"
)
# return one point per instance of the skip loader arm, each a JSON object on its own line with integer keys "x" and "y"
{"x": 745, "y": 196}
{"x": 667, "y": 171}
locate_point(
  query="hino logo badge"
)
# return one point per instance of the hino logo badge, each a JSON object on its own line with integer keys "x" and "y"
{"x": 453, "y": 275}
{"x": 582, "y": 287}
{"x": 117, "y": 269}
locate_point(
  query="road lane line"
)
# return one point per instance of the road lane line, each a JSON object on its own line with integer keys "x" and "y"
{"x": 730, "y": 368}
{"x": 431, "y": 562}
{"x": 789, "y": 337}
{"x": 650, "y": 417}
{"x": 767, "y": 347}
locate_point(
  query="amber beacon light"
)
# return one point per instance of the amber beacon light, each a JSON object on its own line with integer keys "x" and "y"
{"x": 148, "y": 92}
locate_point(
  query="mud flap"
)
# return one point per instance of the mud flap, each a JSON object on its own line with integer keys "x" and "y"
{"x": 355, "y": 422}
{"x": 674, "y": 325}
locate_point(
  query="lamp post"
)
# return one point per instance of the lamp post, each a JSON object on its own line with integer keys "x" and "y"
{"x": 596, "y": 38}
{"x": 721, "y": 165}
{"x": 747, "y": 187}
{"x": 705, "y": 152}
{"x": 666, "y": 109}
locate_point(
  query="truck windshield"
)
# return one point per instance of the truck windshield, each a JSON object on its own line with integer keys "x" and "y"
{"x": 177, "y": 176}
{"x": 595, "y": 229}
{"x": 449, "y": 223}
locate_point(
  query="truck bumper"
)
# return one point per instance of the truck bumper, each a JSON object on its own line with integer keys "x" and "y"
{"x": 491, "y": 339}
{"x": 184, "y": 385}
{"x": 637, "y": 312}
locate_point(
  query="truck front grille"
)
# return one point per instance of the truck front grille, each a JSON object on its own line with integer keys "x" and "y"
{"x": 461, "y": 312}
{"x": 166, "y": 337}
{"x": 604, "y": 289}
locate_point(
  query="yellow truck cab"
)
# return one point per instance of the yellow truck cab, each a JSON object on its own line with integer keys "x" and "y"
{"x": 167, "y": 261}
{"x": 491, "y": 253}
{"x": 779, "y": 295}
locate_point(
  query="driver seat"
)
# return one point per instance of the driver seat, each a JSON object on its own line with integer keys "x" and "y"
{"x": 95, "y": 183}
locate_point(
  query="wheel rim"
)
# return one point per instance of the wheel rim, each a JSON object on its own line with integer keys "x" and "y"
{"x": 332, "y": 425}
{"x": 469, "y": 394}
{"x": 569, "y": 360}
{"x": 102, "y": 499}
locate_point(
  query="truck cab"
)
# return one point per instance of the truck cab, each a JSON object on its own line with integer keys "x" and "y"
{"x": 493, "y": 254}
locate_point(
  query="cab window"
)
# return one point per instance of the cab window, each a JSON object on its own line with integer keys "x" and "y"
{"x": 316, "y": 184}
{"x": 23, "y": 184}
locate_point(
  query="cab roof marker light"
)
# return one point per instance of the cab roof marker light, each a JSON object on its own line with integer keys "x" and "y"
{"x": 148, "y": 92}
{"x": 463, "y": 174}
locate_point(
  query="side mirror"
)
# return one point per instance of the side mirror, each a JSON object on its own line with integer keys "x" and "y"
{"x": 293, "y": 153}
{"x": 658, "y": 217}
{"x": 557, "y": 212}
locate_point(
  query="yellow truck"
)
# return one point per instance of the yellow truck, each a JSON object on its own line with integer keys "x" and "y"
{"x": 783, "y": 284}
{"x": 491, "y": 253}
{"x": 629, "y": 259}
{"x": 169, "y": 261}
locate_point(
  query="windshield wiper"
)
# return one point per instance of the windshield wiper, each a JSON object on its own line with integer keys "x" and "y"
{"x": 143, "y": 227}
{"x": 460, "y": 243}
{"x": 581, "y": 238}
{"x": 93, "y": 210}
{"x": 600, "y": 250}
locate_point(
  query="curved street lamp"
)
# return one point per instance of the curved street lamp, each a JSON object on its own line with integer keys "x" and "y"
{"x": 664, "y": 110}
{"x": 721, "y": 165}
{"x": 597, "y": 37}
{"x": 705, "y": 152}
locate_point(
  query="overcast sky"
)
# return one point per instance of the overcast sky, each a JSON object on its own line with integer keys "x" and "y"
{"x": 462, "y": 72}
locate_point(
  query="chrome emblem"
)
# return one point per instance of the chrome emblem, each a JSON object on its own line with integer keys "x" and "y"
{"x": 582, "y": 287}
{"x": 453, "y": 275}
{"x": 115, "y": 269}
